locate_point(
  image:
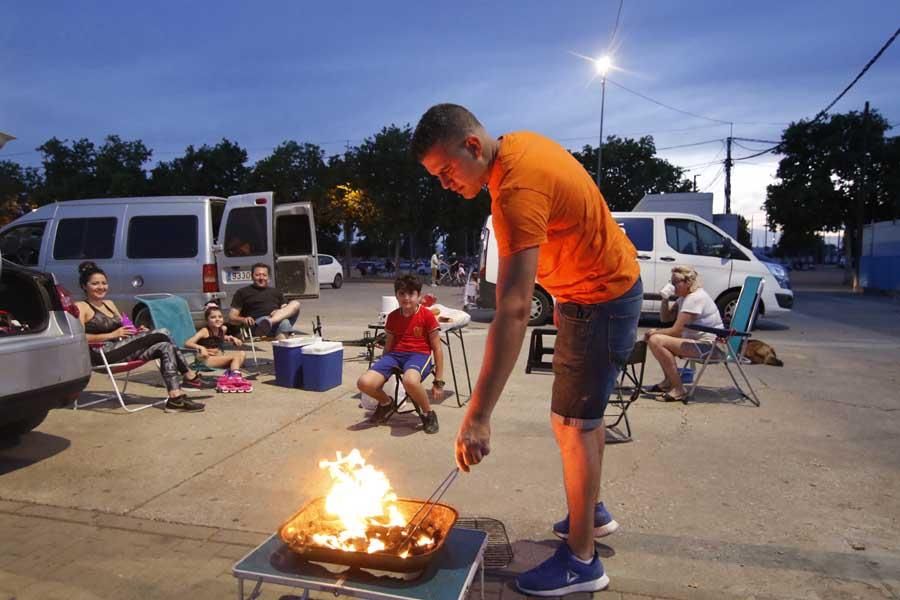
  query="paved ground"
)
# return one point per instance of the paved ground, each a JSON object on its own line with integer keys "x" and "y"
{"x": 718, "y": 499}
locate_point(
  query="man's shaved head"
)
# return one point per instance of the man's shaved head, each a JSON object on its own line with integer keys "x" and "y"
{"x": 440, "y": 124}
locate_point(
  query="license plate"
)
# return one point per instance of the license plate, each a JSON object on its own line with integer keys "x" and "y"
{"x": 239, "y": 276}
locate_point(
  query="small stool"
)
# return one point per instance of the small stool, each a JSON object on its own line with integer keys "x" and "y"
{"x": 537, "y": 350}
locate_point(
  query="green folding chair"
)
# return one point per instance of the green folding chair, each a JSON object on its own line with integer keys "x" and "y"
{"x": 728, "y": 348}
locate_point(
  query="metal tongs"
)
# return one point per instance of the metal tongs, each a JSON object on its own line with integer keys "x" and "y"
{"x": 432, "y": 501}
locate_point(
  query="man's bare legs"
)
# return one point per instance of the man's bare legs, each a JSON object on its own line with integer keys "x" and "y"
{"x": 288, "y": 311}
{"x": 582, "y": 459}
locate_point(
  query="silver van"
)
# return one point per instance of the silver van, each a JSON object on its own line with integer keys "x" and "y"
{"x": 198, "y": 247}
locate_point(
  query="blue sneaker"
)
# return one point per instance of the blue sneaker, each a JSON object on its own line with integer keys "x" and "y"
{"x": 604, "y": 524}
{"x": 563, "y": 574}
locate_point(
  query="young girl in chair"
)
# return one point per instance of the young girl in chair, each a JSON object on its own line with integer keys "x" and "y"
{"x": 209, "y": 342}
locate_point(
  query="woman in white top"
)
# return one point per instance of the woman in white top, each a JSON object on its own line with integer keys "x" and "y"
{"x": 692, "y": 306}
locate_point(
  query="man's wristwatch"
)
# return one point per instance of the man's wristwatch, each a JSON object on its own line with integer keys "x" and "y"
{"x": 440, "y": 382}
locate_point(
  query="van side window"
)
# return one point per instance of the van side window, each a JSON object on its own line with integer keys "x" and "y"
{"x": 216, "y": 210}
{"x": 169, "y": 236}
{"x": 22, "y": 244}
{"x": 245, "y": 232}
{"x": 78, "y": 239}
{"x": 639, "y": 231}
{"x": 292, "y": 235}
{"x": 690, "y": 237}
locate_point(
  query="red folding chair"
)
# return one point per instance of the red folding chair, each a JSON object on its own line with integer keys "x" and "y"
{"x": 111, "y": 369}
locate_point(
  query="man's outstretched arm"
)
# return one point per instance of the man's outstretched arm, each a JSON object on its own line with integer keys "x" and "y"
{"x": 515, "y": 286}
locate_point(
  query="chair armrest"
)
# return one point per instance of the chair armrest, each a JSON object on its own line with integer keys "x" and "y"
{"x": 723, "y": 333}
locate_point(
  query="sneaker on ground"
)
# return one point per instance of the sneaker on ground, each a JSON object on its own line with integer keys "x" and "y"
{"x": 183, "y": 404}
{"x": 604, "y": 524}
{"x": 198, "y": 383}
{"x": 562, "y": 574}
{"x": 382, "y": 412}
{"x": 263, "y": 327}
{"x": 429, "y": 420}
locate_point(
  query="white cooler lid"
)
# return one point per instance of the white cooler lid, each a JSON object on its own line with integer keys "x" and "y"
{"x": 303, "y": 340}
{"x": 323, "y": 348}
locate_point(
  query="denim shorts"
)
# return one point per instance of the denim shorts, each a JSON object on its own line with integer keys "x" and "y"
{"x": 593, "y": 343}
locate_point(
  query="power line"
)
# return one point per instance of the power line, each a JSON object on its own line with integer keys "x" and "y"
{"x": 858, "y": 77}
{"x": 664, "y": 105}
{"x": 689, "y": 145}
{"x": 822, "y": 112}
{"x": 612, "y": 40}
{"x": 715, "y": 179}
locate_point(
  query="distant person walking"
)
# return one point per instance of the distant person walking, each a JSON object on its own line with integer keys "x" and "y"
{"x": 435, "y": 268}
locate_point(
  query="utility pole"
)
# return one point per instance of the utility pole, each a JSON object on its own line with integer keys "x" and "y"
{"x": 861, "y": 203}
{"x": 696, "y": 175}
{"x": 728, "y": 164}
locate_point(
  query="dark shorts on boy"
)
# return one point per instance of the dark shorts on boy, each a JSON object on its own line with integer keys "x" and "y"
{"x": 593, "y": 343}
{"x": 403, "y": 361}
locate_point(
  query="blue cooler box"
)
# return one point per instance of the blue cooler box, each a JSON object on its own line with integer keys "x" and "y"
{"x": 289, "y": 361}
{"x": 323, "y": 366}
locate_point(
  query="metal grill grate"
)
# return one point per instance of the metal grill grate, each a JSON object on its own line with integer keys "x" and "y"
{"x": 498, "y": 553}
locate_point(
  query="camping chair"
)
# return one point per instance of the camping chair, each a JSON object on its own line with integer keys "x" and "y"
{"x": 111, "y": 369}
{"x": 635, "y": 376}
{"x": 173, "y": 314}
{"x": 397, "y": 403}
{"x": 729, "y": 345}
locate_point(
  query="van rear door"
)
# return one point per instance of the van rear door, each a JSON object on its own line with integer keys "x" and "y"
{"x": 245, "y": 238}
{"x": 296, "y": 253}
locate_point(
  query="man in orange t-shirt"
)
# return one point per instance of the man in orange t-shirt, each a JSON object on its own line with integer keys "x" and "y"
{"x": 551, "y": 222}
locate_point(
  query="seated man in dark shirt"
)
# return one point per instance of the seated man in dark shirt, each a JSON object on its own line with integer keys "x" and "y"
{"x": 262, "y": 308}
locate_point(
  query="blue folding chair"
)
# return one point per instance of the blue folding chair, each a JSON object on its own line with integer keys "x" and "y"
{"x": 172, "y": 313}
{"x": 728, "y": 348}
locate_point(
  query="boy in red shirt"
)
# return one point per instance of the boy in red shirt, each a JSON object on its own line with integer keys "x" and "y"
{"x": 413, "y": 335}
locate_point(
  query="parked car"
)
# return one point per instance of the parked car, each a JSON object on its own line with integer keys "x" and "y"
{"x": 44, "y": 360}
{"x": 198, "y": 247}
{"x": 330, "y": 271}
{"x": 664, "y": 240}
{"x": 368, "y": 267}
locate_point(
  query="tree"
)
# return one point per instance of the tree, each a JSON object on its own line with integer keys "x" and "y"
{"x": 119, "y": 168}
{"x": 68, "y": 170}
{"x": 829, "y": 168}
{"x": 293, "y": 171}
{"x": 17, "y": 188}
{"x": 744, "y": 236}
{"x": 630, "y": 170}
{"x": 392, "y": 179}
{"x": 218, "y": 171}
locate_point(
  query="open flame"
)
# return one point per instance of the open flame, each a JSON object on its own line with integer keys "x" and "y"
{"x": 363, "y": 502}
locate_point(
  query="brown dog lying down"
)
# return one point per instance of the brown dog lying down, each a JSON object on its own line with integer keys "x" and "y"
{"x": 760, "y": 353}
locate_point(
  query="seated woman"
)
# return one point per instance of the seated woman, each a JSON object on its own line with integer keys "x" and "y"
{"x": 692, "y": 306}
{"x": 103, "y": 324}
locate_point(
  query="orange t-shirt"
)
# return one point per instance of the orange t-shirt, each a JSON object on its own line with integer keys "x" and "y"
{"x": 542, "y": 196}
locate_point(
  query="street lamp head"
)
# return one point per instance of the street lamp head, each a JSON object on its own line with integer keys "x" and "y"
{"x": 603, "y": 64}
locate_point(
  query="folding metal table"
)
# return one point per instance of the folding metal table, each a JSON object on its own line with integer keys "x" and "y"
{"x": 447, "y": 577}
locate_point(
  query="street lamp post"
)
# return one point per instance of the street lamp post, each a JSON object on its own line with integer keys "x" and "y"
{"x": 603, "y": 65}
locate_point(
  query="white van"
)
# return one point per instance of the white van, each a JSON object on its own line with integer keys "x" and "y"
{"x": 664, "y": 240}
{"x": 198, "y": 247}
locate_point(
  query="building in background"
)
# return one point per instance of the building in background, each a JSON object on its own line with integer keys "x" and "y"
{"x": 879, "y": 268}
